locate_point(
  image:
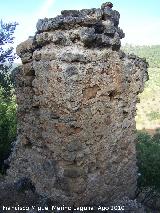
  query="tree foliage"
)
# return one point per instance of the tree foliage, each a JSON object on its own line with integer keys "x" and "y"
{"x": 7, "y": 99}
{"x": 148, "y": 156}
{"x": 6, "y": 57}
{"x": 7, "y": 128}
{"x": 149, "y": 160}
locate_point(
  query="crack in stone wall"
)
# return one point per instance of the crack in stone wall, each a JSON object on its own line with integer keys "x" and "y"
{"x": 76, "y": 94}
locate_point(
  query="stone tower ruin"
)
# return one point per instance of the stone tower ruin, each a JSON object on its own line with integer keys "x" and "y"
{"x": 76, "y": 95}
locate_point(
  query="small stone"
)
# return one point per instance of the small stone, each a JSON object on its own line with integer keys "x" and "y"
{"x": 69, "y": 156}
{"x": 107, "y": 12}
{"x": 107, "y": 4}
{"x": 25, "y": 140}
{"x": 73, "y": 172}
{"x": 25, "y": 47}
{"x": 132, "y": 56}
{"x": 86, "y": 12}
{"x": 63, "y": 184}
{"x": 26, "y": 57}
{"x": 116, "y": 43}
{"x": 49, "y": 24}
{"x": 121, "y": 54}
{"x": 69, "y": 22}
{"x": 99, "y": 14}
{"x": 42, "y": 39}
{"x": 121, "y": 33}
{"x": 54, "y": 116}
{"x": 71, "y": 70}
{"x": 59, "y": 38}
{"x": 87, "y": 35}
{"x": 49, "y": 167}
{"x": 74, "y": 146}
{"x": 105, "y": 40}
{"x": 74, "y": 13}
{"x": 109, "y": 30}
{"x": 73, "y": 57}
{"x": 115, "y": 17}
{"x": 99, "y": 28}
{"x": 24, "y": 184}
{"x": 37, "y": 55}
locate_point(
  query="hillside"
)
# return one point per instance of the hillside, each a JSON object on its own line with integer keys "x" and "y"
{"x": 148, "y": 110}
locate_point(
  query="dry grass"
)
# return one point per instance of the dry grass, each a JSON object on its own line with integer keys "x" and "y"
{"x": 148, "y": 110}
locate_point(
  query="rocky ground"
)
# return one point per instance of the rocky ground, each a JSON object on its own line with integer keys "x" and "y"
{"x": 22, "y": 193}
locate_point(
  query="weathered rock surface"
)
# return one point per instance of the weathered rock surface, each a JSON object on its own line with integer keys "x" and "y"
{"x": 76, "y": 95}
{"x": 14, "y": 200}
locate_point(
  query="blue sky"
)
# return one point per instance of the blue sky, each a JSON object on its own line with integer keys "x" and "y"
{"x": 140, "y": 19}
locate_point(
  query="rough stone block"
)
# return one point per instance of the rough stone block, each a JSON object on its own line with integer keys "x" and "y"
{"x": 76, "y": 95}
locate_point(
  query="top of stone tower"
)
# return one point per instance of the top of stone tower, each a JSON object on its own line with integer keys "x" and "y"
{"x": 96, "y": 26}
{"x": 91, "y": 28}
{"x": 85, "y": 17}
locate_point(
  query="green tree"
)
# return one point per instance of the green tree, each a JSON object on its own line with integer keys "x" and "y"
{"x": 7, "y": 99}
{"x": 7, "y": 128}
{"x": 6, "y": 57}
{"x": 148, "y": 156}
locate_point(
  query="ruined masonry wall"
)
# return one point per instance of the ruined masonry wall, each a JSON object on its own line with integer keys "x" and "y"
{"x": 76, "y": 95}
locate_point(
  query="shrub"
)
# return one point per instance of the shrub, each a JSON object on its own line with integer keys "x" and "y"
{"x": 7, "y": 128}
{"x": 148, "y": 161}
